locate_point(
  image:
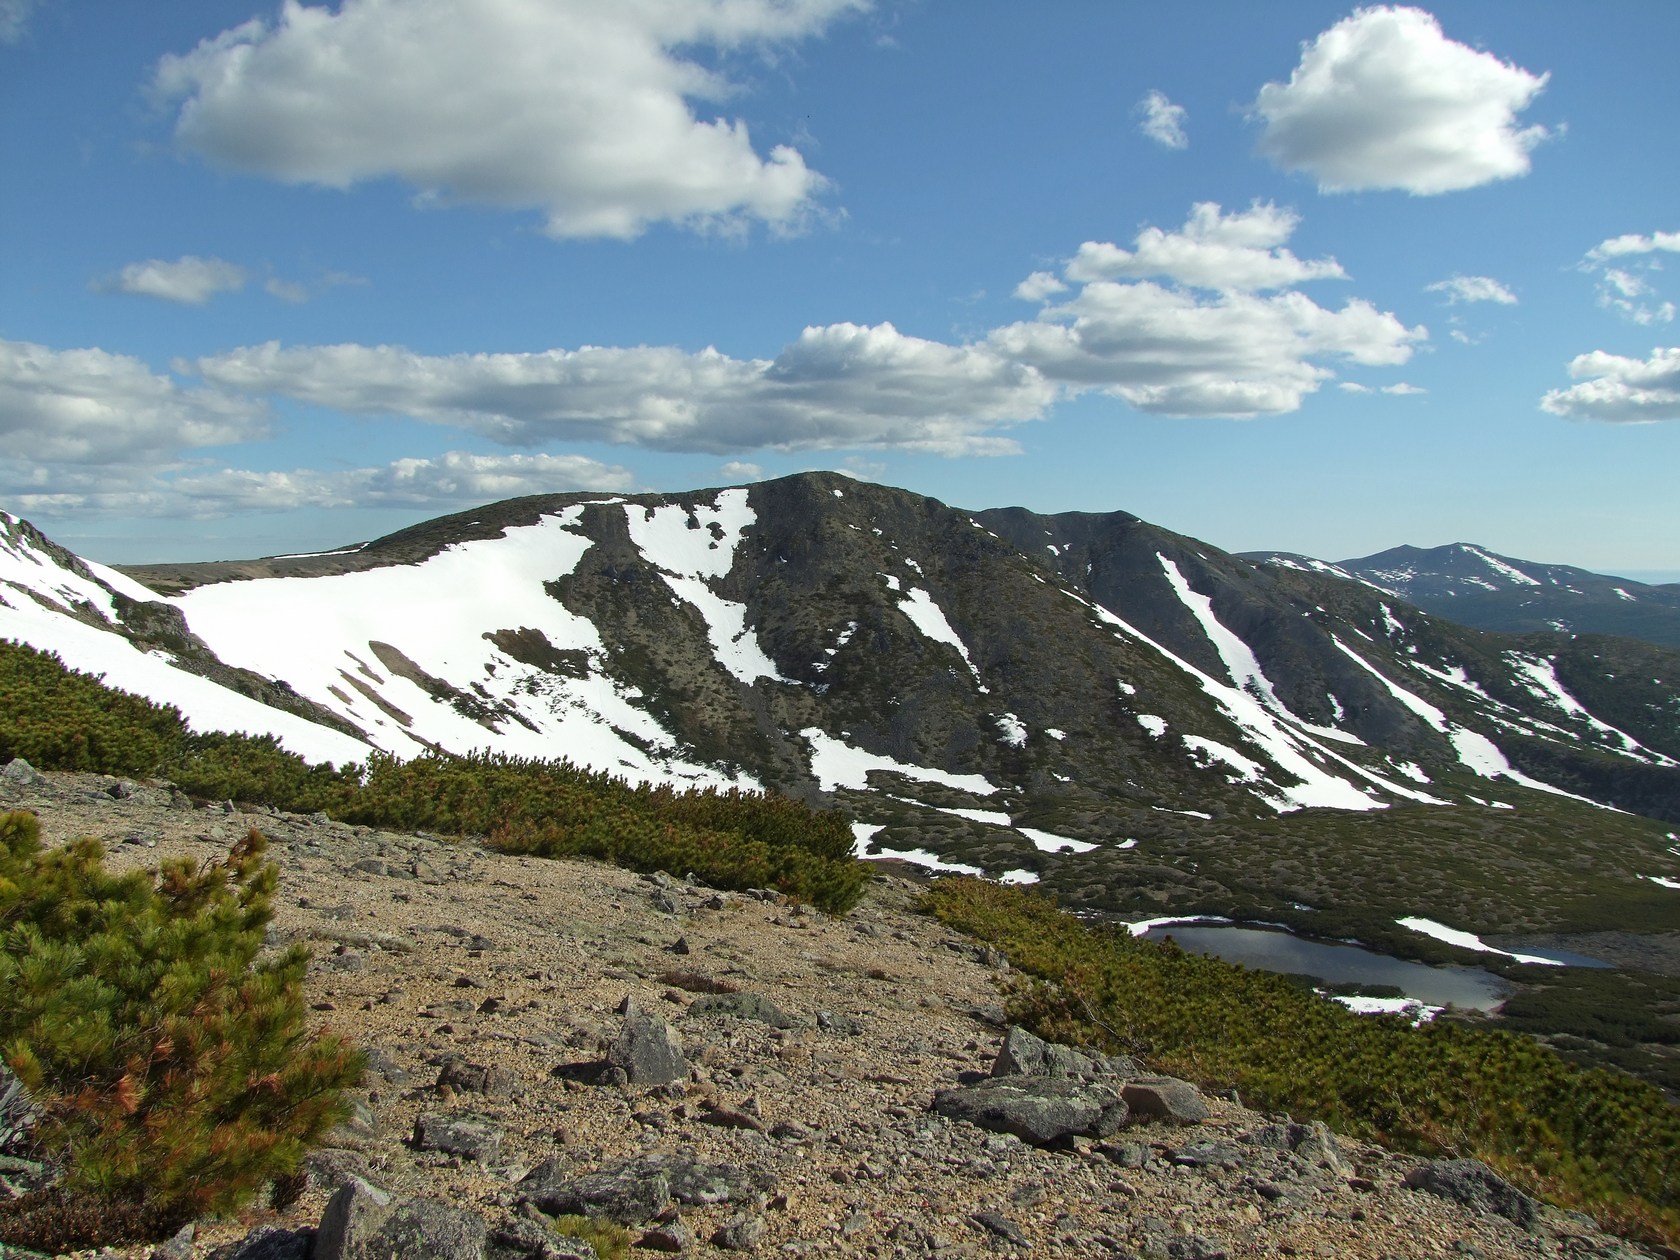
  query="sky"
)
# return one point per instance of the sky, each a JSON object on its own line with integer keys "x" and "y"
{"x": 1297, "y": 276}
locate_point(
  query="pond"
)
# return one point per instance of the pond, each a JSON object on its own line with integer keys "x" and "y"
{"x": 1269, "y": 950}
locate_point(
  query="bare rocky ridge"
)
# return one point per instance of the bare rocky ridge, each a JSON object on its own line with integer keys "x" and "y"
{"x": 539, "y": 1040}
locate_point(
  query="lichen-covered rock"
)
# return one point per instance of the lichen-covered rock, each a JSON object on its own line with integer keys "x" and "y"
{"x": 458, "y": 1133}
{"x": 745, "y": 1006}
{"x": 1476, "y": 1186}
{"x": 1165, "y": 1098}
{"x": 1037, "y": 1109}
{"x": 647, "y": 1049}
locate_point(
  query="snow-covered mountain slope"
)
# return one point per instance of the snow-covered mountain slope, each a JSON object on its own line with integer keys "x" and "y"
{"x": 1475, "y": 587}
{"x": 53, "y": 601}
{"x": 1046, "y": 682}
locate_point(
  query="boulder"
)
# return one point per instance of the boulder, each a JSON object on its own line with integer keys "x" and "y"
{"x": 423, "y": 1229}
{"x": 1037, "y": 1109}
{"x": 18, "y": 773}
{"x": 475, "y": 1078}
{"x": 266, "y": 1242}
{"x": 745, "y": 1006}
{"x": 1165, "y": 1098}
{"x": 1477, "y": 1187}
{"x": 647, "y": 1049}
{"x": 458, "y": 1133}
{"x": 627, "y": 1193}
{"x": 357, "y": 1208}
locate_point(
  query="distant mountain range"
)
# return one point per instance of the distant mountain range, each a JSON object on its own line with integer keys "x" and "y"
{"x": 1130, "y": 716}
{"x": 1475, "y": 587}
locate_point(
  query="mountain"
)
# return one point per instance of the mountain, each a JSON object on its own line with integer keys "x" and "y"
{"x": 1475, "y": 587}
{"x": 1139, "y": 721}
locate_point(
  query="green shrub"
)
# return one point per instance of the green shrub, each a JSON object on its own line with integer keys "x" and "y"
{"x": 64, "y": 720}
{"x": 172, "y": 1067}
{"x": 1587, "y": 1138}
{"x": 611, "y": 1242}
{"x": 59, "y": 719}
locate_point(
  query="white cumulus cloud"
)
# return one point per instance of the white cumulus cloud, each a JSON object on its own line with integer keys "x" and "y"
{"x": 1234, "y": 252}
{"x": 1473, "y": 289}
{"x": 1383, "y": 99}
{"x": 454, "y": 478}
{"x": 1627, "y": 287}
{"x": 1163, "y": 122}
{"x": 1038, "y": 286}
{"x": 90, "y": 406}
{"x": 842, "y": 385}
{"x": 1171, "y": 352}
{"x": 1633, "y": 243}
{"x": 580, "y": 109}
{"x": 1613, "y": 387}
{"x": 189, "y": 280}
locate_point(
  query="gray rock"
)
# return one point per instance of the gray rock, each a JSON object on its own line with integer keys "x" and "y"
{"x": 178, "y": 1247}
{"x": 18, "y": 773}
{"x": 520, "y": 1238}
{"x": 1477, "y": 1187}
{"x": 328, "y": 1168}
{"x": 424, "y": 1229}
{"x": 475, "y": 1078}
{"x": 1208, "y": 1154}
{"x": 268, "y": 1243}
{"x": 740, "y": 1233}
{"x": 697, "y": 1184}
{"x": 843, "y": 1025}
{"x": 1024, "y": 1054}
{"x": 628, "y": 1193}
{"x": 1165, "y": 1098}
{"x": 356, "y": 1210}
{"x": 745, "y": 1006}
{"x": 1037, "y": 1109}
{"x": 458, "y": 1133}
{"x": 647, "y": 1050}
{"x": 17, "y": 1114}
{"x": 1002, "y": 1226}
{"x": 673, "y": 1238}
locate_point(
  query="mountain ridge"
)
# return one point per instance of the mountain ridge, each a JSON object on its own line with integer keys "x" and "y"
{"x": 1479, "y": 588}
{"x": 1129, "y": 716}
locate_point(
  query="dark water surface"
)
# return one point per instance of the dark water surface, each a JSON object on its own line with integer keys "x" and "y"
{"x": 1267, "y": 950}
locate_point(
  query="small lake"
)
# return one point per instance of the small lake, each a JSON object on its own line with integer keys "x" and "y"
{"x": 1268, "y": 950}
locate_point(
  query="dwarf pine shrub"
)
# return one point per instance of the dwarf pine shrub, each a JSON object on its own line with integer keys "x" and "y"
{"x": 171, "y": 1064}
{"x": 65, "y": 720}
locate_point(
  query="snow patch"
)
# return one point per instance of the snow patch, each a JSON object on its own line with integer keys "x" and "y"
{"x": 837, "y": 764}
{"x": 1045, "y": 842}
{"x": 923, "y": 857}
{"x": 1012, "y": 731}
{"x": 862, "y": 834}
{"x": 1504, "y": 570}
{"x": 1410, "y": 1008}
{"x": 1143, "y": 926}
{"x": 1469, "y": 940}
{"x": 929, "y": 618}
{"x": 1156, "y": 726}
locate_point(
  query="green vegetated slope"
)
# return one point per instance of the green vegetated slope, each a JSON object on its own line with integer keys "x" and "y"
{"x": 1593, "y": 1139}
{"x": 1603, "y": 1141}
{"x": 60, "y": 719}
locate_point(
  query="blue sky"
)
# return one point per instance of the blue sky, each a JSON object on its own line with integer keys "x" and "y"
{"x": 1297, "y": 276}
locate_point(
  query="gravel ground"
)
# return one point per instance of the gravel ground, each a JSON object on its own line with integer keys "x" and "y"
{"x": 431, "y": 952}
